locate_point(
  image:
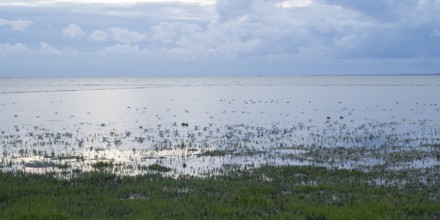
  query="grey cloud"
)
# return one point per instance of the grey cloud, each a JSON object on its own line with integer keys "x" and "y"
{"x": 270, "y": 31}
{"x": 351, "y": 33}
{"x": 393, "y": 10}
{"x": 407, "y": 28}
{"x": 381, "y": 9}
{"x": 318, "y": 31}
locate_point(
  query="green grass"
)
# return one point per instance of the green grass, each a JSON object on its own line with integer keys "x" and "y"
{"x": 264, "y": 193}
{"x": 159, "y": 168}
{"x": 102, "y": 165}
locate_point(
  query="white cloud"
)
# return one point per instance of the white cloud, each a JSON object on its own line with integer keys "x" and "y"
{"x": 167, "y": 32}
{"x": 16, "y": 25}
{"x": 47, "y": 49}
{"x": 99, "y": 36}
{"x": 73, "y": 31}
{"x": 126, "y": 36}
{"x": 4, "y": 22}
{"x": 294, "y": 3}
{"x": 13, "y": 49}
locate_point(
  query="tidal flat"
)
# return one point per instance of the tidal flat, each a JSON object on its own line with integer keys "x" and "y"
{"x": 321, "y": 147}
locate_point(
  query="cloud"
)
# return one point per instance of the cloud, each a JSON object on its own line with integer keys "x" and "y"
{"x": 410, "y": 11}
{"x": 121, "y": 49}
{"x": 294, "y": 3}
{"x": 47, "y": 49}
{"x": 272, "y": 29}
{"x": 268, "y": 29}
{"x": 284, "y": 33}
{"x": 404, "y": 28}
{"x": 99, "y": 36}
{"x": 167, "y": 32}
{"x": 189, "y": 41}
{"x": 43, "y": 3}
{"x": 16, "y": 25}
{"x": 227, "y": 9}
{"x": 13, "y": 49}
{"x": 331, "y": 29}
{"x": 73, "y": 31}
{"x": 126, "y": 36}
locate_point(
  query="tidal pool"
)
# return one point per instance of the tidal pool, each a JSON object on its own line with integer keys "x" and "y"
{"x": 196, "y": 126}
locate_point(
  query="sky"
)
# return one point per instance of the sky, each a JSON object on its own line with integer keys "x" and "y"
{"x": 218, "y": 37}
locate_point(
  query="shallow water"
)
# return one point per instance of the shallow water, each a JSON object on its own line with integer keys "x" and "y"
{"x": 136, "y": 122}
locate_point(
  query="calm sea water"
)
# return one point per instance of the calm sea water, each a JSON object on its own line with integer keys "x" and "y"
{"x": 197, "y": 125}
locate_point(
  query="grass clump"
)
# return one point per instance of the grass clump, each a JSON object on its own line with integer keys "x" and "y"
{"x": 102, "y": 165}
{"x": 159, "y": 168}
{"x": 215, "y": 153}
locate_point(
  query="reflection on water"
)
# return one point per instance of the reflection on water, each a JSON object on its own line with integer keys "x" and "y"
{"x": 198, "y": 125}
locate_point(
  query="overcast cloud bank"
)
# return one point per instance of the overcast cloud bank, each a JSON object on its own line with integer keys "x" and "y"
{"x": 271, "y": 37}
